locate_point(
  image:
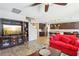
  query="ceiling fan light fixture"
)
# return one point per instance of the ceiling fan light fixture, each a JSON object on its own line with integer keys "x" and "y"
{"x": 46, "y": 7}
{"x": 63, "y": 4}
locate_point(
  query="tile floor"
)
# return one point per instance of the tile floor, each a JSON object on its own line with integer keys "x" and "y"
{"x": 27, "y": 48}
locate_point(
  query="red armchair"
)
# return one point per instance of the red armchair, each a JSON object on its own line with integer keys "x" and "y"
{"x": 68, "y": 44}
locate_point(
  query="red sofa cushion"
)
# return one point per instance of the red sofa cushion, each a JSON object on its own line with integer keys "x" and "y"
{"x": 59, "y": 43}
{"x": 70, "y": 52}
{"x": 55, "y": 37}
{"x": 65, "y": 46}
{"x": 77, "y": 43}
{"x": 65, "y": 39}
{"x": 71, "y": 47}
{"x": 58, "y": 36}
{"x": 51, "y": 37}
{"x": 72, "y": 38}
{"x": 69, "y": 39}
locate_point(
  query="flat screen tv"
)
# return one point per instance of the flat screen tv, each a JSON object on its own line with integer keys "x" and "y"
{"x": 11, "y": 29}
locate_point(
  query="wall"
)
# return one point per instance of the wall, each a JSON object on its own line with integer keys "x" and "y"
{"x": 0, "y": 27}
{"x": 10, "y": 15}
{"x": 32, "y": 32}
{"x": 71, "y": 25}
{"x": 67, "y": 25}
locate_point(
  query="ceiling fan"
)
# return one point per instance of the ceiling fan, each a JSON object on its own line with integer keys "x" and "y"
{"x": 47, "y": 5}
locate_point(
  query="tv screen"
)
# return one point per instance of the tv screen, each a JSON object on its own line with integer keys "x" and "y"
{"x": 11, "y": 29}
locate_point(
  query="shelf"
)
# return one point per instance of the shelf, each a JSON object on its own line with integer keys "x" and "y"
{"x": 14, "y": 39}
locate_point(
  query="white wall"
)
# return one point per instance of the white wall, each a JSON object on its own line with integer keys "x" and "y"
{"x": 10, "y": 15}
{"x": 32, "y": 33}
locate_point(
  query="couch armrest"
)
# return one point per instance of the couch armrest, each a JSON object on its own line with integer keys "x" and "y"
{"x": 77, "y": 43}
{"x": 51, "y": 40}
{"x": 78, "y": 52}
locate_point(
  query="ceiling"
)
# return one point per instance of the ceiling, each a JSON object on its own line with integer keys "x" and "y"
{"x": 55, "y": 14}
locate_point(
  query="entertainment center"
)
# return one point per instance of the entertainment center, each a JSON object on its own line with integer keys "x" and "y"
{"x": 12, "y": 33}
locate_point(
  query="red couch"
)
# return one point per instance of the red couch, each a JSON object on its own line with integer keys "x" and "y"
{"x": 68, "y": 44}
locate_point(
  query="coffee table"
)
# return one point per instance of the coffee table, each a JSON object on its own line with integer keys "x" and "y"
{"x": 54, "y": 52}
{"x": 45, "y": 52}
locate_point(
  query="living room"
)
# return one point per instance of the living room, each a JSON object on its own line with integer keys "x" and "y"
{"x": 39, "y": 29}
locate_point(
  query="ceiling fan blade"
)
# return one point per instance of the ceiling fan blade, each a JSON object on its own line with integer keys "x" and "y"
{"x": 35, "y": 4}
{"x": 46, "y": 7}
{"x": 62, "y": 4}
